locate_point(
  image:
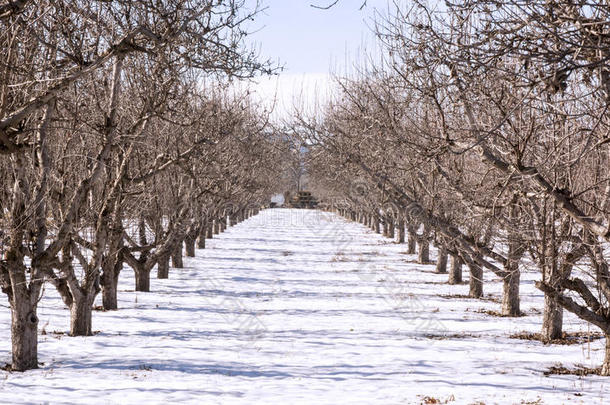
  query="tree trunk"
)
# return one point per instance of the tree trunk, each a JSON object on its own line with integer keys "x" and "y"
{"x": 109, "y": 281}
{"x": 189, "y": 245}
{"x": 510, "y": 296}
{"x": 606, "y": 364}
{"x": 24, "y": 334}
{"x": 209, "y": 229}
{"x": 401, "y": 231}
{"x": 411, "y": 242}
{"x": 552, "y": 320}
{"x": 476, "y": 281}
{"x": 216, "y": 226}
{"x": 376, "y": 225}
{"x": 441, "y": 262}
{"x": 455, "y": 273}
{"x": 163, "y": 267}
{"x": 386, "y": 227}
{"x": 222, "y": 224}
{"x": 201, "y": 236}
{"x": 109, "y": 291}
{"x": 110, "y": 300}
{"x": 177, "y": 257}
{"x": 81, "y": 314}
{"x": 423, "y": 255}
{"x": 390, "y": 225}
{"x": 143, "y": 280}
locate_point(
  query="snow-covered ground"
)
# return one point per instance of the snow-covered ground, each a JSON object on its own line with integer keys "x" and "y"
{"x": 302, "y": 307}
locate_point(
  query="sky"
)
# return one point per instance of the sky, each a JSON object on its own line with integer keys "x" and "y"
{"x": 310, "y": 44}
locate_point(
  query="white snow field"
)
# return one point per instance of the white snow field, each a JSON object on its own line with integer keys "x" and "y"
{"x": 302, "y": 307}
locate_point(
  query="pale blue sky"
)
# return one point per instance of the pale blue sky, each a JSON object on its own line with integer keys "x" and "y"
{"x": 310, "y": 43}
{"x": 309, "y": 40}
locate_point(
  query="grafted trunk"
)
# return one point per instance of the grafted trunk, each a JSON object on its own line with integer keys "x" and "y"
{"x": 177, "y": 257}
{"x": 189, "y": 245}
{"x": 411, "y": 241}
{"x": 24, "y": 334}
{"x": 441, "y": 262}
{"x": 455, "y": 273}
{"x": 163, "y": 267}
{"x": 401, "y": 231}
{"x": 476, "y": 281}
{"x": 81, "y": 314}
{"x": 142, "y": 279}
{"x": 552, "y": 320}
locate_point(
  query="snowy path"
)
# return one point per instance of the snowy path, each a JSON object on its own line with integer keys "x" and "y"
{"x": 296, "y": 306}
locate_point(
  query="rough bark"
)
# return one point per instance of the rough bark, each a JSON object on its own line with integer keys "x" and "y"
{"x": 202, "y": 235}
{"x": 163, "y": 267}
{"x": 441, "y": 262}
{"x": 552, "y": 320}
{"x": 455, "y": 273}
{"x": 110, "y": 293}
{"x": 476, "y": 281}
{"x": 386, "y": 227}
{"x": 142, "y": 279}
{"x": 401, "y": 231}
{"x": 423, "y": 254}
{"x": 24, "y": 335}
{"x": 510, "y": 296}
{"x": 390, "y": 226}
{"x": 411, "y": 241}
{"x": 189, "y": 245}
{"x": 109, "y": 281}
{"x": 81, "y": 314}
{"x": 209, "y": 229}
{"x": 510, "y": 282}
{"x": 177, "y": 261}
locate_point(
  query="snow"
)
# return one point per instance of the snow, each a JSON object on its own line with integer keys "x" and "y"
{"x": 301, "y": 307}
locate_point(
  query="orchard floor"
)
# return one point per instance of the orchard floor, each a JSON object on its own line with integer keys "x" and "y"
{"x": 302, "y": 307}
